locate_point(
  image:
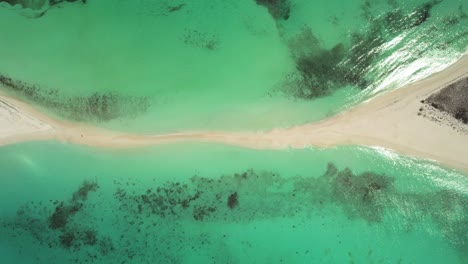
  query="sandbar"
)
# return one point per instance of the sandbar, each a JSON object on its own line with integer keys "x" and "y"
{"x": 389, "y": 120}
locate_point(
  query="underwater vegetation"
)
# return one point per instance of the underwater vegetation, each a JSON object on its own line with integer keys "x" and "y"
{"x": 57, "y": 228}
{"x": 95, "y": 107}
{"x": 146, "y": 220}
{"x": 321, "y": 71}
{"x": 317, "y": 69}
{"x": 278, "y": 9}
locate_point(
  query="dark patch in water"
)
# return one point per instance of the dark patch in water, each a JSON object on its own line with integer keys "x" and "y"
{"x": 84, "y": 190}
{"x": 41, "y": 6}
{"x": 162, "y": 201}
{"x": 200, "y": 212}
{"x": 66, "y": 239}
{"x": 278, "y": 9}
{"x": 319, "y": 68}
{"x": 73, "y": 239}
{"x": 68, "y": 225}
{"x": 233, "y": 200}
{"x": 363, "y": 193}
{"x": 56, "y": 2}
{"x": 422, "y": 13}
{"x": 321, "y": 71}
{"x": 150, "y": 220}
{"x": 199, "y": 39}
{"x": 99, "y": 107}
{"x": 175, "y": 8}
{"x": 62, "y": 213}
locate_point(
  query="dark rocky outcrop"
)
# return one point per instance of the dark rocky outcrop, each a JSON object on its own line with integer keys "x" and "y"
{"x": 453, "y": 99}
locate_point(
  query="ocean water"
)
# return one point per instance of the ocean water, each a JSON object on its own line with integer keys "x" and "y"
{"x": 158, "y": 66}
{"x": 151, "y": 66}
{"x": 194, "y": 203}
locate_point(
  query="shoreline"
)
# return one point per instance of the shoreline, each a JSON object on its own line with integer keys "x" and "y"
{"x": 388, "y": 120}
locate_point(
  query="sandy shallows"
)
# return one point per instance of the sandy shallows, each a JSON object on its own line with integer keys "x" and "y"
{"x": 390, "y": 120}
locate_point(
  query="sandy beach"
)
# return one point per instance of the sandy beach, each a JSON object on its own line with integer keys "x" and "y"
{"x": 389, "y": 120}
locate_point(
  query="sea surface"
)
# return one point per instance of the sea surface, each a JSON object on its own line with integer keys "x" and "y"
{"x": 196, "y": 203}
{"x": 160, "y": 66}
{"x": 150, "y": 66}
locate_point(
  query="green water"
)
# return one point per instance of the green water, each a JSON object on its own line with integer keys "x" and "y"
{"x": 222, "y": 64}
{"x": 158, "y": 66}
{"x": 217, "y": 204}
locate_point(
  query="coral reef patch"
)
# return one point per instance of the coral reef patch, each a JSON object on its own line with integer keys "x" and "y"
{"x": 146, "y": 221}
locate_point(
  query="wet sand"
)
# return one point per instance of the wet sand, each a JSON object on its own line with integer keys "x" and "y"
{"x": 389, "y": 120}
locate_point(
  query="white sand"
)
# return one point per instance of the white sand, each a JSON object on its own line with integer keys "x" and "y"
{"x": 19, "y": 124}
{"x": 389, "y": 120}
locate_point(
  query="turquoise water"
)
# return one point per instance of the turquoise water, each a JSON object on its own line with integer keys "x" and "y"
{"x": 157, "y": 66}
{"x": 217, "y": 204}
{"x": 154, "y": 66}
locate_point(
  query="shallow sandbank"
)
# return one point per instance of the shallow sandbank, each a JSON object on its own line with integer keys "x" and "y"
{"x": 390, "y": 120}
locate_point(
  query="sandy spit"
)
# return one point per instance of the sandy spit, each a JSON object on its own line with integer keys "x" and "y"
{"x": 389, "y": 120}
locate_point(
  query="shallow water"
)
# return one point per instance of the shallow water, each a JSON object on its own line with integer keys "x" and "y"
{"x": 164, "y": 66}
{"x": 217, "y": 204}
{"x": 154, "y": 66}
